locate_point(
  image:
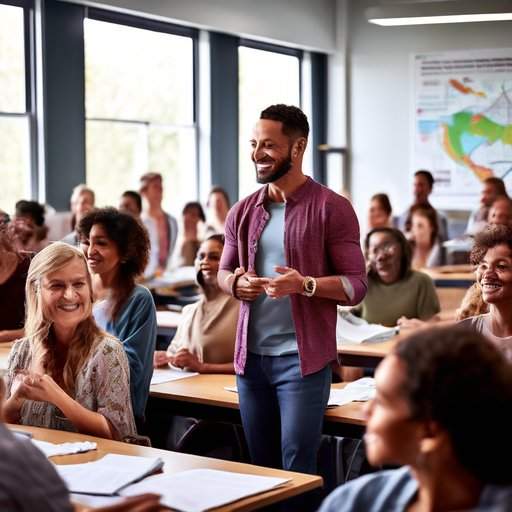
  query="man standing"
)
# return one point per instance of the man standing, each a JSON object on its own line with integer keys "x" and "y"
{"x": 289, "y": 287}
{"x": 422, "y": 188}
{"x": 151, "y": 189}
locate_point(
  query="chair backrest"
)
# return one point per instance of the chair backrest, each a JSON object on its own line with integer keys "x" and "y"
{"x": 214, "y": 439}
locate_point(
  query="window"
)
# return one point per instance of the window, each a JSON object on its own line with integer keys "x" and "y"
{"x": 139, "y": 97}
{"x": 14, "y": 111}
{"x": 265, "y": 78}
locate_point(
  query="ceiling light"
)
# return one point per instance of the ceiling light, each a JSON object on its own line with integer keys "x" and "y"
{"x": 444, "y": 11}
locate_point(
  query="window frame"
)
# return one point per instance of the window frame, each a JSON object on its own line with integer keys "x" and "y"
{"x": 283, "y": 50}
{"x": 30, "y": 91}
{"x": 133, "y": 21}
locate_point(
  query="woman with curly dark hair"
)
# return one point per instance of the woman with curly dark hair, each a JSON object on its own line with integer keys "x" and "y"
{"x": 492, "y": 255}
{"x": 117, "y": 247}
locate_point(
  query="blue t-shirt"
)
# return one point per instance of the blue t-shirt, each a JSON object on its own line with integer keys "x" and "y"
{"x": 393, "y": 491}
{"x": 271, "y": 328}
{"x": 135, "y": 326}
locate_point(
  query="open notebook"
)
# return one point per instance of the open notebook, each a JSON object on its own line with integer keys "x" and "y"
{"x": 351, "y": 330}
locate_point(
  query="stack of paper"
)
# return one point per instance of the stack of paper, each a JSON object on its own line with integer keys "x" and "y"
{"x": 168, "y": 374}
{"x": 52, "y": 449}
{"x": 109, "y": 474}
{"x": 198, "y": 490}
{"x": 360, "y": 390}
{"x": 351, "y": 330}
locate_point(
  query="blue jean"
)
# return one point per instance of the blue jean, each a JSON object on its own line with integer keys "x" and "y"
{"x": 282, "y": 412}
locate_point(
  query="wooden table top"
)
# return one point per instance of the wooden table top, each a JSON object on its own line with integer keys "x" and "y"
{"x": 208, "y": 389}
{"x": 175, "y": 462}
{"x": 453, "y": 274}
{"x": 381, "y": 349}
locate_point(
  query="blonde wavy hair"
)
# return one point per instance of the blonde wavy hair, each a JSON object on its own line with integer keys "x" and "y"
{"x": 38, "y": 327}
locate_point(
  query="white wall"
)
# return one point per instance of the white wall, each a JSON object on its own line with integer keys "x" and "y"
{"x": 380, "y": 96}
{"x": 305, "y": 24}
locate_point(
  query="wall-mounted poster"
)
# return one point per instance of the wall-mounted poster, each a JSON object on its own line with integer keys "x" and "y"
{"x": 463, "y": 121}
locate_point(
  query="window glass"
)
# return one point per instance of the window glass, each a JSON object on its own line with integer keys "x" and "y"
{"x": 265, "y": 78}
{"x": 14, "y": 121}
{"x": 133, "y": 73}
{"x": 139, "y": 89}
{"x": 12, "y": 59}
{"x": 14, "y": 162}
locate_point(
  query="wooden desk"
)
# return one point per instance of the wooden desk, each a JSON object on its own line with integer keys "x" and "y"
{"x": 204, "y": 396}
{"x": 367, "y": 355}
{"x": 176, "y": 462}
{"x": 451, "y": 276}
{"x": 167, "y": 322}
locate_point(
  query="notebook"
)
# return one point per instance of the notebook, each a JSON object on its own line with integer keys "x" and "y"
{"x": 351, "y": 330}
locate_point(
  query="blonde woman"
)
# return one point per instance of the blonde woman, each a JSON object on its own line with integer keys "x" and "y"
{"x": 66, "y": 373}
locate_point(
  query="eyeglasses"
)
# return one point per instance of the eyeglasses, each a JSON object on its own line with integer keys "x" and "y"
{"x": 389, "y": 249}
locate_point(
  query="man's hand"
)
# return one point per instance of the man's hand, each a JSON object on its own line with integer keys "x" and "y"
{"x": 186, "y": 360}
{"x": 290, "y": 281}
{"x": 249, "y": 286}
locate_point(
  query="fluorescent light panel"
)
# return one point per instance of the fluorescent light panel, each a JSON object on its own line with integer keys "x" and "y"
{"x": 431, "y": 20}
{"x": 422, "y": 13}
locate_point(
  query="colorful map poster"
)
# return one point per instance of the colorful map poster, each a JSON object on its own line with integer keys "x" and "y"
{"x": 463, "y": 121}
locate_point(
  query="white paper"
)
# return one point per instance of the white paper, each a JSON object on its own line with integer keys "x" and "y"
{"x": 169, "y": 374}
{"x": 169, "y": 319}
{"x": 107, "y": 475}
{"x": 198, "y": 490}
{"x": 88, "y": 500}
{"x": 233, "y": 389}
{"x": 352, "y": 330}
{"x": 52, "y": 449}
{"x": 360, "y": 390}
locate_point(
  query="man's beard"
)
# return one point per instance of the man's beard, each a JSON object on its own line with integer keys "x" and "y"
{"x": 279, "y": 172}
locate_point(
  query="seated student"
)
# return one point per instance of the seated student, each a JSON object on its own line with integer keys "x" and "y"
{"x": 205, "y": 339}
{"x": 29, "y": 226}
{"x": 442, "y": 410}
{"x": 379, "y": 214}
{"x": 151, "y": 189}
{"x": 81, "y": 202}
{"x": 218, "y": 207}
{"x": 190, "y": 239}
{"x": 492, "y": 188}
{"x": 131, "y": 202}
{"x": 395, "y": 292}
{"x": 501, "y": 211}
{"x": 117, "y": 247}
{"x": 422, "y": 188}
{"x": 426, "y": 249}
{"x": 66, "y": 373}
{"x": 13, "y": 274}
{"x": 492, "y": 253}
{"x": 30, "y": 482}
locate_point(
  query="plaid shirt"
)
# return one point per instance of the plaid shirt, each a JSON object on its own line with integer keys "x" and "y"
{"x": 321, "y": 238}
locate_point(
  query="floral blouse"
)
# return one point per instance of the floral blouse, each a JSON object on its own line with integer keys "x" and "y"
{"x": 102, "y": 385}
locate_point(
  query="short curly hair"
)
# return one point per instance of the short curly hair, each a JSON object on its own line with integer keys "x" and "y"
{"x": 491, "y": 236}
{"x": 132, "y": 242}
{"x": 295, "y": 122}
{"x": 460, "y": 380}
